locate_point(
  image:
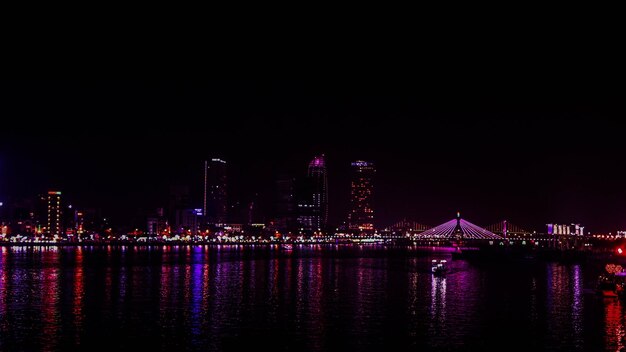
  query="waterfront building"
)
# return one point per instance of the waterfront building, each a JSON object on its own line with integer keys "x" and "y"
{"x": 312, "y": 205}
{"x": 565, "y": 229}
{"x": 215, "y": 199}
{"x": 54, "y": 212}
{"x": 361, "y": 215}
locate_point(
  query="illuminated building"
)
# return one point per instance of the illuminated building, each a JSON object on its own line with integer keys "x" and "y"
{"x": 152, "y": 226}
{"x": 186, "y": 221}
{"x": 214, "y": 206}
{"x": 564, "y": 229}
{"x": 361, "y": 216}
{"x": 54, "y": 214}
{"x": 79, "y": 222}
{"x": 313, "y": 197}
{"x": 158, "y": 225}
{"x": 19, "y": 215}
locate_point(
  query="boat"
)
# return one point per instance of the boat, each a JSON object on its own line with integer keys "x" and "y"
{"x": 611, "y": 284}
{"x": 607, "y": 287}
{"x": 439, "y": 268}
{"x": 286, "y": 246}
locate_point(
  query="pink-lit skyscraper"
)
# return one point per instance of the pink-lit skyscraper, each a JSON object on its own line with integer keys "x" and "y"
{"x": 313, "y": 203}
{"x": 361, "y": 215}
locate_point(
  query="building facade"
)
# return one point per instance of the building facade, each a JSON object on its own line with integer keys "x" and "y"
{"x": 54, "y": 218}
{"x": 564, "y": 229}
{"x": 361, "y": 215}
{"x": 284, "y": 203}
{"x": 313, "y": 197}
{"x": 186, "y": 221}
{"x": 215, "y": 203}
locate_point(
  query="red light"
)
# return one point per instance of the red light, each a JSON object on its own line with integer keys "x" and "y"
{"x": 619, "y": 251}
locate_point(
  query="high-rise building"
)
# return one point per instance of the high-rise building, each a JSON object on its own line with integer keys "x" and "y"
{"x": 284, "y": 203}
{"x": 79, "y": 223}
{"x": 54, "y": 214}
{"x": 361, "y": 215}
{"x": 158, "y": 224}
{"x": 215, "y": 195}
{"x": 186, "y": 221}
{"x": 313, "y": 197}
{"x": 179, "y": 203}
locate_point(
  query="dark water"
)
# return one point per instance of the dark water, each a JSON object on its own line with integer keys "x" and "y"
{"x": 312, "y": 298}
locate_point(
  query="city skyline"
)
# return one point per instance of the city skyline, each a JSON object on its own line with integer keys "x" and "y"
{"x": 181, "y": 217}
{"x": 534, "y": 160}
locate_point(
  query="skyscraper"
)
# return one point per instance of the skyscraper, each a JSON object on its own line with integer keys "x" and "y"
{"x": 214, "y": 206}
{"x": 54, "y": 214}
{"x": 313, "y": 197}
{"x": 179, "y": 203}
{"x": 361, "y": 216}
{"x": 284, "y": 203}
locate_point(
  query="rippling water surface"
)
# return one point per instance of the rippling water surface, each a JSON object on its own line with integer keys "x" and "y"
{"x": 316, "y": 298}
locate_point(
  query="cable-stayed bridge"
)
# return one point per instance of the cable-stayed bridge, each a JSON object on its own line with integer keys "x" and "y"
{"x": 459, "y": 229}
{"x": 505, "y": 228}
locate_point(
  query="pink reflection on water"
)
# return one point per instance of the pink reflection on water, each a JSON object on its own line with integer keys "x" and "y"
{"x": 49, "y": 298}
{"x": 614, "y": 325}
{"x": 4, "y": 279}
{"x": 79, "y": 294}
{"x": 438, "y": 301}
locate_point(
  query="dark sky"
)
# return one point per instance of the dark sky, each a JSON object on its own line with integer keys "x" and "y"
{"x": 528, "y": 149}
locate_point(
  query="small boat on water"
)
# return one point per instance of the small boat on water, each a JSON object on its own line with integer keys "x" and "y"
{"x": 607, "y": 287}
{"x": 286, "y": 246}
{"x": 611, "y": 284}
{"x": 439, "y": 268}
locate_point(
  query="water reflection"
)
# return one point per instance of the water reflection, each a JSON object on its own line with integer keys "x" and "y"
{"x": 78, "y": 295}
{"x": 414, "y": 304}
{"x": 565, "y": 305}
{"x": 437, "y": 328}
{"x": 438, "y": 300}
{"x": 205, "y": 298}
{"x": 49, "y": 300}
{"x": 577, "y": 304}
{"x": 614, "y": 325}
{"x": 196, "y": 290}
{"x": 5, "y": 321}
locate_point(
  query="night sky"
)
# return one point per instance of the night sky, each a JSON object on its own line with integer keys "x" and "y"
{"x": 527, "y": 150}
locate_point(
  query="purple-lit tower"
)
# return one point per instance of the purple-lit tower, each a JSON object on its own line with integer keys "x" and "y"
{"x": 361, "y": 216}
{"x": 313, "y": 200}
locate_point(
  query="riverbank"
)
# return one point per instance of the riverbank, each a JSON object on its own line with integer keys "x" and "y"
{"x": 470, "y": 253}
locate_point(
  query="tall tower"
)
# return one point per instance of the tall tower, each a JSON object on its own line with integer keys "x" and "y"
{"x": 319, "y": 180}
{"x": 215, "y": 195}
{"x": 54, "y": 214}
{"x": 284, "y": 203}
{"x": 361, "y": 216}
{"x": 458, "y": 230}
